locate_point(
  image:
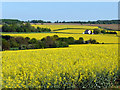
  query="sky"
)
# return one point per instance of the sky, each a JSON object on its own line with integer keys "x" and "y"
{"x": 61, "y": 11}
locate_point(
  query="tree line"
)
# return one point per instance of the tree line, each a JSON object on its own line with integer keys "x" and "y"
{"x": 104, "y": 31}
{"x": 12, "y": 21}
{"x": 20, "y": 43}
{"x": 92, "y": 22}
{"x": 17, "y": 27}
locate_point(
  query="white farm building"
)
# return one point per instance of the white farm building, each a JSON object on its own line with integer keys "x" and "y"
{"x": 87, "y": 32}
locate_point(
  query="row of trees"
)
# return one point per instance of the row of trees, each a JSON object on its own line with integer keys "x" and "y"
{"x": 92, "y": 22}
{"x": 23, "y": 28}
{"x": 20, "y": 43}
{"x": 97, "y": 31}
{"x": 13, "y": 21}
{"x": 39, "y": 21}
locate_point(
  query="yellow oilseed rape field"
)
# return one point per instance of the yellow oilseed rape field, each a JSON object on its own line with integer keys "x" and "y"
{"x": 55, "y": 27}
{"x": 85, "y": 66}
{"x": 76, "y": 66}
{"x": 71, "y": 31}
{"x": 100, "y": 37}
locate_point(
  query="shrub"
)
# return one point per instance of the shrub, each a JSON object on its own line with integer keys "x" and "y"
{"x": 33, "y": 41}
{"x": 71, "y": 40}
{"x": 96, "y": 31}
{"x": 5, "y": 45}
{"x": 81, "y": 40}
{"x": 23, "y": 47}
{"x": 103, "y": 31}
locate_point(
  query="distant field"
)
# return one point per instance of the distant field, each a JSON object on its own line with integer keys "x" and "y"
{"x": 64, "y": 29}
{"x": 109, "y": 26}
{"x": 101, "y": 38}
{"x": 77, "y": 28}
{"x": 55, "y": 27}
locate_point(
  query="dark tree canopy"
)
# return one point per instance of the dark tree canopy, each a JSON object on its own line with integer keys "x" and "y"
{"x": 23, "y": 28}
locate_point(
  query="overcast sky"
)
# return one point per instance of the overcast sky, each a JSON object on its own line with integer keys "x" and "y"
{"x": 68, "y": 11}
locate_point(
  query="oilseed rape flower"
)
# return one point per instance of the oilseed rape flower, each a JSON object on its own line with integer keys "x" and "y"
{"x": 47, "y": 68}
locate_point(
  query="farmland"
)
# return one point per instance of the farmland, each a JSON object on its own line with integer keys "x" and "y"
{"x": 52, "y": 68}
{"x": 76, "y": 33}
{"x": 84, "y": 65}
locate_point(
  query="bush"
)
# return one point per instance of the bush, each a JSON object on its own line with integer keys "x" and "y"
{"x": 21, "y": 40}
{"x": 71, "y": 40}
{"x": 5, "y": 45}
{"x": 23, "y": 47}
{"x": 81, "y": 40}
{"x": 6, "y": 37}
{"x": 13, "y": 43}
{"x": 55, "y": 37}
{"x": 93, "y": 41}
{"x": 103, "y": 31}
{"x": 33, "y": 41}
{"x": 96, "y": 31}
{"x": 27, "y": 38}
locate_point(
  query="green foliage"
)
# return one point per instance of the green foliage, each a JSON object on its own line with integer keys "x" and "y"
{"x": 33, "y": 41}
{"x": 21, "y": 40}
{"x": 96, "y": 31}
{"x": 27, "y": 38}
{"x": 22, "y": 47}
{"x": 93, "y": 41}
{"x": 80, "y": 41}
{"x": 7, "y": 37}
{"x": 39, "y": 21}
{"x": 5, "y": 45}
{"x": 103, "y": 31}
{"x": 23, "y": 28}
{"x": 11, "y": 21}
{"x": 13, "y": 43}
{"x": 46, "y": 42}
{"x": 71, "y": 40}
{"x": 92, "y": 22}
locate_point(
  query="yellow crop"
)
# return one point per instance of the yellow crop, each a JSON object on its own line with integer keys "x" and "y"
{"x": 31, "y": 68}
{"x": 60, "y": 67}
{"x": 107, "y": 38}
{"x": 55, "y": 27}
{"x": 100, "y": 37}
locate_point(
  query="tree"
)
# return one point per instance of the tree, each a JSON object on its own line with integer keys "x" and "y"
{"x": 13, "y": 43}
{"x": 5, "y": 28}
{"x": 103, "y": 31}
{"x": 21, "y": 40}
{"x": 6, "y": 37}
{"x": 71, "y": 40}
{"x": 96, "y": 31}
{"x": 93, "y": 41}
{"x": 27, "y": 38}
{"x": 55, "y": 37}
{"x": 33, "y": 41}
{"x": 81, "y": 40}
{"x": 5, "y": 45}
